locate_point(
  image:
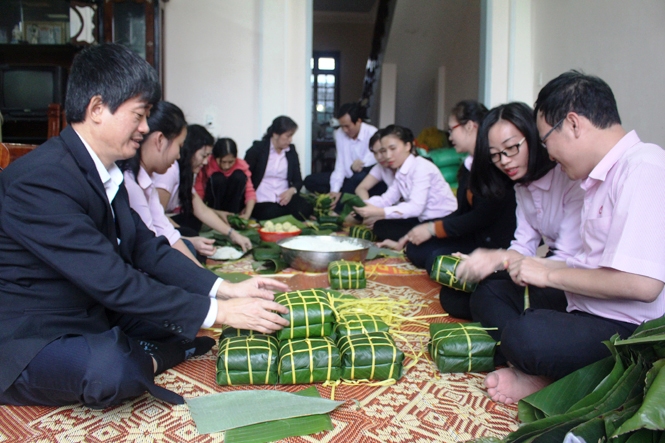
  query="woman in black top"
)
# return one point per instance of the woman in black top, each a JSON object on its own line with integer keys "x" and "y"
{"x": 273, "y": 162}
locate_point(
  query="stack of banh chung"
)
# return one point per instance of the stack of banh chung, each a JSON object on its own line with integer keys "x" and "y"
{"x": 320, "y": 344}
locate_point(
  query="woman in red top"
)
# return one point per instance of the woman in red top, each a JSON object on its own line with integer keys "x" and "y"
{"x": 225, "y": 182}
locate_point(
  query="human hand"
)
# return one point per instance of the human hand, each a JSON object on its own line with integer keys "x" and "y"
{"x": 479, "y": 264}
{"x": 390, "y": 244}
{"x": 244, "y": 215}
{"x": 204, "y": 246}
{"x": 335, "y": 196}
{"x": 530, "y": 271}
{"x": 256, "y": 287}
{"x": 223, "y": 215}
{"x": 369, "y": 211}
{"x": 255, "y": 314}
{"x": 419, "y": 234}
{"x": 285, "y": 197}
{"x": 241, "y": 241}
{"x": 357, "y": 165}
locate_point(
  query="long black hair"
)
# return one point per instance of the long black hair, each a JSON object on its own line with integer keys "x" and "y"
{"x": 224, "y": 147}
{"x": 280, "y": 125}
{"x": 197, "y": 138}
{"x": 486, "y": 179}
{"x": 164, "y": 117}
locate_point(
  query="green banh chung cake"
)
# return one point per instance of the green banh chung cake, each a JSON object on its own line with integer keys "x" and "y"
{"x": 310, "y": 314}
{"x": 443, "y": 271}
{"x": 461, "y": 347}
{"x": 362, "y": 232}
{"x": 247, "y": 360}
{"x": 344, "y": 274}
{"x": 372, "y": 356}
{"x": 319, "y": 345}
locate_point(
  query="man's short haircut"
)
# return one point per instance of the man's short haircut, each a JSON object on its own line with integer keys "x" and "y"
{"x": 354, "y": 110}
{"x": 574, "y": 91}
{"x": 113, "y": 72}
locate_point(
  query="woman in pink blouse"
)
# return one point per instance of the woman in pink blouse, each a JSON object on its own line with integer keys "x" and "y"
{"x": 549, "y": 206}
{"x": 159, "y": 150}
{"x": 418, "y": 194}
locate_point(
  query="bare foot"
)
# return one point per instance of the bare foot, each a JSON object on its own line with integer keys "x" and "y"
{"x": 508, "y": 385}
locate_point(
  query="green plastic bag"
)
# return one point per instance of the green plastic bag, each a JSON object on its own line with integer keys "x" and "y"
{"x": 308, "y": 360}
{"x": 461, "y": 347}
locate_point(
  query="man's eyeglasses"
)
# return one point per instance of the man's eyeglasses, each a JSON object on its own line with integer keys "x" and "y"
{"x": 542, "y": 140}
{"x": 449, "y": 131}
{"x": 510, "y": 151}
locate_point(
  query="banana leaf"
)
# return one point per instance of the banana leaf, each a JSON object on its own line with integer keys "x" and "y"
{"x": 237, "y": 222}
{"x": 280, "y": 429}
{"x": 233, "y": 277}
{"x": 376, "y": 252}
{"x": 344, "y": 274}
{"x": 223, "y": 240}
{"x": 323, "y": 219}
{"x": 268, "y": 259}
{"x": 266, "y": 251}
{"x": 321, "y": 204}
{"x": 461, "y": 347}
{"x": 352, "y": 200}
{"x": 248, "y": 360}
{"x": 651, "y": 414}
{"x": 332, "y": 227}
{"x": 562, "y": 395}
{"x": 443, "y": 271}
{"x": 228, "y": 331}
{"x": 372, "y": 356}
{"x": 310, "y": 314}
{"x": 308, "y": 360}
{"x": 285, "y": 218}
{"x": 358, "y": 323}
{"x": 270, "y": 266}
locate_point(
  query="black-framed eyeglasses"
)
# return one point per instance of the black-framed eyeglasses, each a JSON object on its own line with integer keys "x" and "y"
{"x": 510, "y": 151}
{"x": 449, "y": 131}
{"x": 542, "y": 140}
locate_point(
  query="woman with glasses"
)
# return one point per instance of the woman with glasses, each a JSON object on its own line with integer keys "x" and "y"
{"x": 549, "y": 206}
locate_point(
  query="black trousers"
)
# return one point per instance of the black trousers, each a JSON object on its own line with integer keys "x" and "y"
{"x": 226, "y": 193}
{"x": 297, "y": 207}
{"x": 545, "y": 339}
{"x": 395, "y": 228}
{"x": 98, "y": 370}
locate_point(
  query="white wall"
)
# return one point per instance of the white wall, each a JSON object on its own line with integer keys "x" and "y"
{"x": 241, "y": 64}
{"x": 424, "y": 36}
{"x": 621, "y": 42}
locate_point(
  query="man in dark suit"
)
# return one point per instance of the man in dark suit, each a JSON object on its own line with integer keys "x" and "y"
{"x": 90, "y": 305}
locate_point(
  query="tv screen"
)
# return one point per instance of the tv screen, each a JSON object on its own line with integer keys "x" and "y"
{"x": 28, "y": 90}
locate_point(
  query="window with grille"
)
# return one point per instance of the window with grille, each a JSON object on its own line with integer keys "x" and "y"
{"x": 325, "y": 93}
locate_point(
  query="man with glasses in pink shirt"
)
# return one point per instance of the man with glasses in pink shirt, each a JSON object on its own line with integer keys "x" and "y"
{"x": 616, "y": 281}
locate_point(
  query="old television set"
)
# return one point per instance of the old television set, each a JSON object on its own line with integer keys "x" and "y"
{"x": 27, "y": 91}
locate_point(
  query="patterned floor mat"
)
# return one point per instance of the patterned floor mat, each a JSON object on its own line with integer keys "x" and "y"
{"x": 423, "y": 406}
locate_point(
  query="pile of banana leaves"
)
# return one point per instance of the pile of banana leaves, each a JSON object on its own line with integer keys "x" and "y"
{"x": 620, "y": 399}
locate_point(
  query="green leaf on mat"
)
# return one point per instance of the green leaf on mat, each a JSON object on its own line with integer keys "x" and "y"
{"x": 279, "y": 429}
{"x": 269, "y": 266}
{"x": 228, "y": 410}
{"x": 376, "y": 252}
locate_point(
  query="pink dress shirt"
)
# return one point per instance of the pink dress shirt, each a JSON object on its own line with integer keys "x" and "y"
{"x": 385, "y": 175}
{"x": 622, "y": 226}
{"x": 170, "y": 182}
{"x": 549, "y": 209}
{"x": 348, "y": 151}
{"x": 143, "y": 198}
{"x": 424, "y": 191}
{"x": 274, "y": 180}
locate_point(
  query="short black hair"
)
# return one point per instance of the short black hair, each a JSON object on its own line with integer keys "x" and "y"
{"x": 469, "y": 110}
{"x": 164, "y": 117}
{"x": 113, "y": 72}
{"x": 197, "y": 138}
{"x": 224, "y": 147}
{"x": 574, "y": 91}
{"x": 354, "y": 110}
{"x": 486, "y": 179}
{"x": 280, "y": 125}
{"x": 373, "y": 139}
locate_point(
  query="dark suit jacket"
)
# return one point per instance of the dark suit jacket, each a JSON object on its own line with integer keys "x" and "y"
{"x": 490, "y": 221}
{"x": 61, "y": 268}
{"x": 257, "y": 159}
